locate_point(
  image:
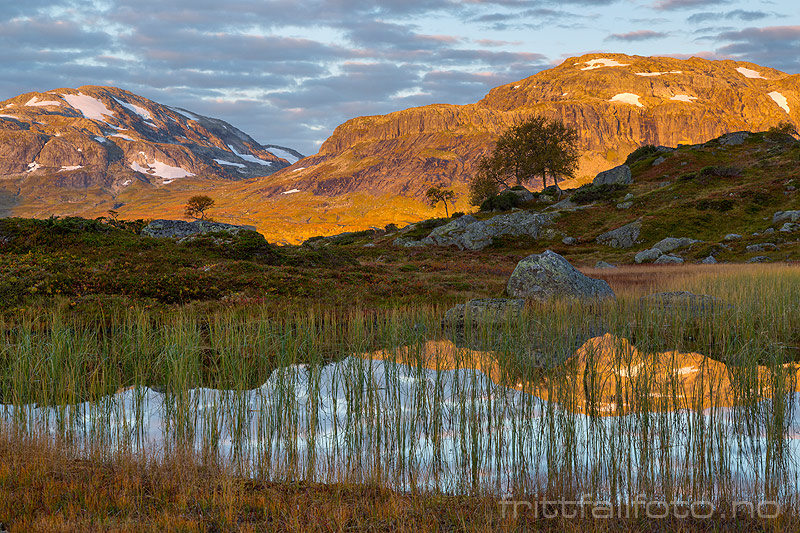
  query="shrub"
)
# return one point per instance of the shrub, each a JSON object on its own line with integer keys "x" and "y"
{"x": 501, "y": 202}
{"x": 592, "y": 193}
{"x": 641, "y": 153}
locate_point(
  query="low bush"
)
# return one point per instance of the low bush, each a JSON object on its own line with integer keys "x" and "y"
{"x": 593, "y": 193}
{"x": 641, "y": 153}
{"x": 504, "y": 201}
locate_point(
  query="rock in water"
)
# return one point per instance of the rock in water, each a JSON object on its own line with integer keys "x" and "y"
{"x": 179, "y": 229}
{"x": 548, "y": 275}
{"x": 623, "y": 237}
{"x": 620, "y": 175}
{"x": 491, "y": 311}
{"x": 694, "y": 304}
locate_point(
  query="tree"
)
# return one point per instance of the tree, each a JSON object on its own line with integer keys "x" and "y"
{"x": 436, "y": 195}
{"x": 197, "y": 206}
{"x": 536, "y": 148}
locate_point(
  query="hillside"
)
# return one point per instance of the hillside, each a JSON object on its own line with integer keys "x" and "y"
{"x": 79, "y": 151}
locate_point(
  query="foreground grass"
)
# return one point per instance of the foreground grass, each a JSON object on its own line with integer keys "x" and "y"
{"x": 43, "y": 487}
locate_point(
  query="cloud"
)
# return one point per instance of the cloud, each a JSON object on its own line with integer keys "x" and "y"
{"x": 685, "y": 4}
{"x": 640, "y": 35}
{"x": 773, "y": 46}
{"x": 737, "y": 14}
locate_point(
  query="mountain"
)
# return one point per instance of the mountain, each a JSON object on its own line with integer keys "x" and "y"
{"x": 70, "y": 151}
{"x": 617, "y": 103}
{"x": 374, "y": 170}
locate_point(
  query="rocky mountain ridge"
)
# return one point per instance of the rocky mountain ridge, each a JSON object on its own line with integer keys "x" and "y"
{"x": 92, "y": 143}
{"x": 617, "y": 103}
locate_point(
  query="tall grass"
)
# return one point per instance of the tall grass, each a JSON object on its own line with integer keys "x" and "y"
{"x": 287, "y": 396}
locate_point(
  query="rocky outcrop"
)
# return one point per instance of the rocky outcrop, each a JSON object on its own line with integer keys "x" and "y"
{"x": 668, "y": 259}
{"x": 547, "y": 276}
{"x": 647, "y": 256}
{"x": 785, "y": 216}
{"x": 468, "y": 233}
{"x": 623, "y": 237}
{"x": 620, "y": 175}
{"x": 671, "y": 243}
{"x": 180, "y": 229}
{"x": 483, "y": 311}
{"x": 761, "y": 247}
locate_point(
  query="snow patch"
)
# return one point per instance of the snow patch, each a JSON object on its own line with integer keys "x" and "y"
{"x": 73, "y": 167}
{"x": 91, "y": 108}
{"x": 33, "y": 166}
{"x": 603, "y": 62}
{"x": 121, "y": 136}
{"x": 126, "y": 183}
{"x": 291, "y": 191}
{"x": 299, "y": 169}
{"x": 101, "y": 139}
{"x": 627, "y": 98}
{"x": 648, "y": 74}
{"x": 251, "y": 158}
{"x": 223, "y": 162}
{"x": 142, "y": 112}
{"x": 34, "y": 102}
{"x": 779, "y": 99}
{"x": 9, "y": 116}
{"x": 683, "y": 98}
{"x": 290, "y": 157}
{"x": 187, "y": 114}
{"x": 162, "y": 170}
{"x": 750, "y": 73}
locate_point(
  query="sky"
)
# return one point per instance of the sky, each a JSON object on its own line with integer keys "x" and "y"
{"x": 288, "y": 72}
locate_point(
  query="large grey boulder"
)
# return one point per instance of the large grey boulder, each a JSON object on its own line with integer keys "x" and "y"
{"x": 671, "y": 243}
{"x": 647, "y": 256}
{"x": 667, "y": 259}
{"x": 790, "y": 227}
{"x": 180, "y": 229}
{"x": 483, "y": 311}
{"x": 710, "y": 260}
{"x": 620, "y": 175}
{"x": 734, "y": 139}
{"x": 623, "y": 237}
{"x": 470, "y": 234}
{"x": 785, "y": 216}
{"x": 732, "y": 237}
{"x": 603, "y": 264}
{"x": 548, "y": 275}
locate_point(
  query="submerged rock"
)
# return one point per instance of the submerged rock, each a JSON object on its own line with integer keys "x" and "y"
{"x": 548, "y": 275}
{"x": 490, "y": 311}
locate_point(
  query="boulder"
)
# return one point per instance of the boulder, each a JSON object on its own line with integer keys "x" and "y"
{"x": 569, "y": 240}
{"x": 659, "y": 160}
{"x": 668, "y": 260}
{"x": 695, "y": 305}
{"x": 761, "y": 247}
{"x": 548, "y": 275}
{"x": 785, "y": 216}
{"x": 790, "y": 227}
{"x": 734, "y": 139}
{"x": 522, "y": 193}
{"x": 625, "y": 205}
{"x": 671, "y": 243}
{"x": 603, "y": 264}
{"x": 647, "y": 256}
{"x": 710, "y": 260}
{"x": 468, "y": 233}
{"x": 407, "y": 243}
{"x": 759, "y": 259}
{"x": 620, "y": 175}
{"x": 732, "y": 237}
{"x": 623, "y": 237}
{"x": 180, "y": 229}
{"x": 489, "y": 311}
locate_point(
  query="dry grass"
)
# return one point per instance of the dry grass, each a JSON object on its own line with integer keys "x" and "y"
{"x": 43, "y": 487}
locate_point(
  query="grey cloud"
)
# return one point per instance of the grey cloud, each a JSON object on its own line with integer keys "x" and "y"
{"x": 737, "y": 14}
{"x": 641, "y": 35}
{"x": 775, "y": 46}
{"x": 685, "y": 4}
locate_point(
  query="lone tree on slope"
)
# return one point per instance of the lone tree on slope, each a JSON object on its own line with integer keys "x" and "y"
{"x": 536, "y": 148}
{"x": 197, "y": 206}
{"x": 436, "y": 195}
